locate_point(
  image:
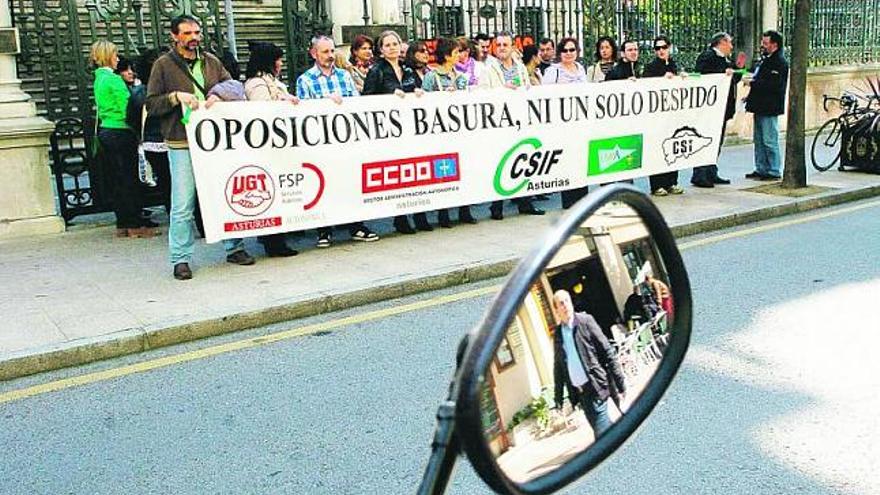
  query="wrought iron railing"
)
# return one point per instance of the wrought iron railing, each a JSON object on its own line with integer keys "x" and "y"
{"x": 690, "y": 23}
{"x": 842, "y": 32}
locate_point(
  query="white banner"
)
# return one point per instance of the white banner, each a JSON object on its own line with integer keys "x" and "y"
{"x": 269, "y": 167}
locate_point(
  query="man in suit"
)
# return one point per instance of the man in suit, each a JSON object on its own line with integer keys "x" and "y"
{"x": 716, "y": 60}
{"x": 767, "y": 101}
{"x": 584, "y": 363}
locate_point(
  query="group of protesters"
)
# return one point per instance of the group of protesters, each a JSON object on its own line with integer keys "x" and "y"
{"x": 143, "y": 139}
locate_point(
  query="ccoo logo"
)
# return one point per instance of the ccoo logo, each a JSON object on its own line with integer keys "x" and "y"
{"x": 250, "y": 191}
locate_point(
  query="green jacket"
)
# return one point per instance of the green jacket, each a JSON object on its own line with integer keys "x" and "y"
{"x": 111, "y": 96}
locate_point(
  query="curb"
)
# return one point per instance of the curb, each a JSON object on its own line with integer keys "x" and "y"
{"x": 132, "y": 341}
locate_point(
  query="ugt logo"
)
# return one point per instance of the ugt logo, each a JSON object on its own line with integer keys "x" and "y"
{"x": 250, "y": 191}
{"x": 523, "y": 162}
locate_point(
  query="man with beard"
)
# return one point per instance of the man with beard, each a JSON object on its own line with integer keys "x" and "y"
{"x": 766, "y": 101}
{"x": 179, "y": 82}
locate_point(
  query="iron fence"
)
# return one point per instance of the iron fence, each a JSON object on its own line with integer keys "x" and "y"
{"x": 689, "y": 23}
{"x": 842, "y": 32}
{"x": 54, "y": 69}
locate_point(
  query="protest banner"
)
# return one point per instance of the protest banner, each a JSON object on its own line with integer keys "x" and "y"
{"x": 269, "y": 167}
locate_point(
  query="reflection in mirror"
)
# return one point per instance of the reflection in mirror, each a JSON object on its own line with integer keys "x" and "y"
{"x": 584, "y": 343}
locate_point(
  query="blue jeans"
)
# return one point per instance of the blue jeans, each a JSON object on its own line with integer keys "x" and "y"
{"x": 597, "y": 415}
{"x": 181, "y": 240}
{"x": 767, "y": 159}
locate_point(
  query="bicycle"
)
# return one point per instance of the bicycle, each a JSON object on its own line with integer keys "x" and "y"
{"x": 828, "y": 138}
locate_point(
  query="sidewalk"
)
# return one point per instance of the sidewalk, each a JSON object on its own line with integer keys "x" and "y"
{"x": 84, "y": 295}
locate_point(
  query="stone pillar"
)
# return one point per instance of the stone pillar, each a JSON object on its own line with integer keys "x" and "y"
{"x": 27, "y": 203}
{"x": 346, "y": 13}
{"x": 769, "y": 15}
{"x": 386, "y": 12}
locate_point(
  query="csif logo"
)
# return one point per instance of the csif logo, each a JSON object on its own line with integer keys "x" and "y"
{"x": 525, "y": 161}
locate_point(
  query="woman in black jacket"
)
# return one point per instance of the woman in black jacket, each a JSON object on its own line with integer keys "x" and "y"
{"x": 663, "y": 66}
{"x": 389, "y": 76}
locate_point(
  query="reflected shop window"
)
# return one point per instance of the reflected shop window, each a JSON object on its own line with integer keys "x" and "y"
{"x": 584, "y": 343}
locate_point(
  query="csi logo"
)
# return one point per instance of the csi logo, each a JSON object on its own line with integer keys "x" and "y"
{"x": 250, "y": 191}
{"x": 410, "y": 172}
{"x": 684, "y": 143}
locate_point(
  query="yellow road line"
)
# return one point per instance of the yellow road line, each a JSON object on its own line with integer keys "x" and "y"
{"x": 773, "y": 226}
{"x": 241, "y": 344}
{"x": 354, "y": 319}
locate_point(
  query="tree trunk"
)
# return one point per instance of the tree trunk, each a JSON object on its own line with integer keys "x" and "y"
{"x": 795, "y": 172}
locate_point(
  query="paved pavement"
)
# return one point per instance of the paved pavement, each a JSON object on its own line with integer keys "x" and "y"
{"x": 84, "y": 295}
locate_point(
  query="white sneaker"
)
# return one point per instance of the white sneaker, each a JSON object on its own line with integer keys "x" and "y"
{"x": 676, "y": 189}
{"x": 660, "y": 192}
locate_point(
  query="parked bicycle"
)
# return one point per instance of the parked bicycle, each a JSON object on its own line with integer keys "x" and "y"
{"x": 828, "y": 141}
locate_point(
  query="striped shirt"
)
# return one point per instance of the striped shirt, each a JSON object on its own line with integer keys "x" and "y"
{"x": 313, "y": 84}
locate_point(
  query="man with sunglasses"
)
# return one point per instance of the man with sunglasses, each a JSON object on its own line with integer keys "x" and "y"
{"x": 663, "y": 66}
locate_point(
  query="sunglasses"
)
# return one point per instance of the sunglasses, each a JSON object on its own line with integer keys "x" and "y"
{"x": 661, "y": 47}
{"x": 569, "y": 50}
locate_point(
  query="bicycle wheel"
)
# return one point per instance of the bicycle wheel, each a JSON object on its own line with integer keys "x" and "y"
{"x": 826, "y": 146}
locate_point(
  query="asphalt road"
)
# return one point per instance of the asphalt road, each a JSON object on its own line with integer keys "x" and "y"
{"x": 777, "y": 395}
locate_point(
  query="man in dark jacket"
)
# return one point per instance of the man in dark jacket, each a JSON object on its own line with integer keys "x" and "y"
{"x": 628, "y": 67}
{"x": 583, "y": 359}
{"x": 716, "y": 60}
{"x": 767, "y": 101}
{"x": 182, "y": 79}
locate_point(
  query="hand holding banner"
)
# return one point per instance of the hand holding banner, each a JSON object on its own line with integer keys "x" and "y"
{"x": 264, "y": 167}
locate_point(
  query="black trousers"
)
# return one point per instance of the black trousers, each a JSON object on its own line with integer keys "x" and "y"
{"x": 521, "y": 204}
{"x": 572, "y": 196}
{"x": 352, "y": 228}
{"x": 709, "y": 173}
{"x": 665, "y": 181}
{"x": 119, "y": 147}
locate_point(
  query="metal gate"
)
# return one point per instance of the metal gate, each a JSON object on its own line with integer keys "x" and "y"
{"x": 689, "y": 23}
{"x": 54, "y": 69}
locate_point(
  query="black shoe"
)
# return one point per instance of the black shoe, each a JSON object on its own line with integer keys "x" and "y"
{"x": 767, "y": 178}
{"x": 443, "y": 219}
{"x": 721, "y": 180}
{"x": 754, "y": 175}
{"x": 280, "y": 251}
{"x": 531, "y": 210}
{"x": 421, "y": 221}
{"x": 401, "y": 224}
{"x": 465, "y": 216}
{"x": 497, "y": 215}
{"x": 702, "y": 183}
{"x": 182, "y": 271}
{"x": 240, "y": 258}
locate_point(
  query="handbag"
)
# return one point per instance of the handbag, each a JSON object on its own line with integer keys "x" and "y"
{"x": 95, "y": 145}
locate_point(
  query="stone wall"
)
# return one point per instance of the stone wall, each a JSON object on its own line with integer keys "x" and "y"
{"x": 830, "y": 81}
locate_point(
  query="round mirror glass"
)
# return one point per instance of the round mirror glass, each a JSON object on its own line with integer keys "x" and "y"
{"x": 583, "y": 344}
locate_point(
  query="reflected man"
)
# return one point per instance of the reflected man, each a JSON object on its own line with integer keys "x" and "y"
{"x": 583, "y": 359}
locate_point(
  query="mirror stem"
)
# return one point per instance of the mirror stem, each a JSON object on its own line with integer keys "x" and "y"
{"x": 444, "y": 452}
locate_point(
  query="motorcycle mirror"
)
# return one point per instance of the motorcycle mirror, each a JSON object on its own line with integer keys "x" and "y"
{"x": 577, "y": 348}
